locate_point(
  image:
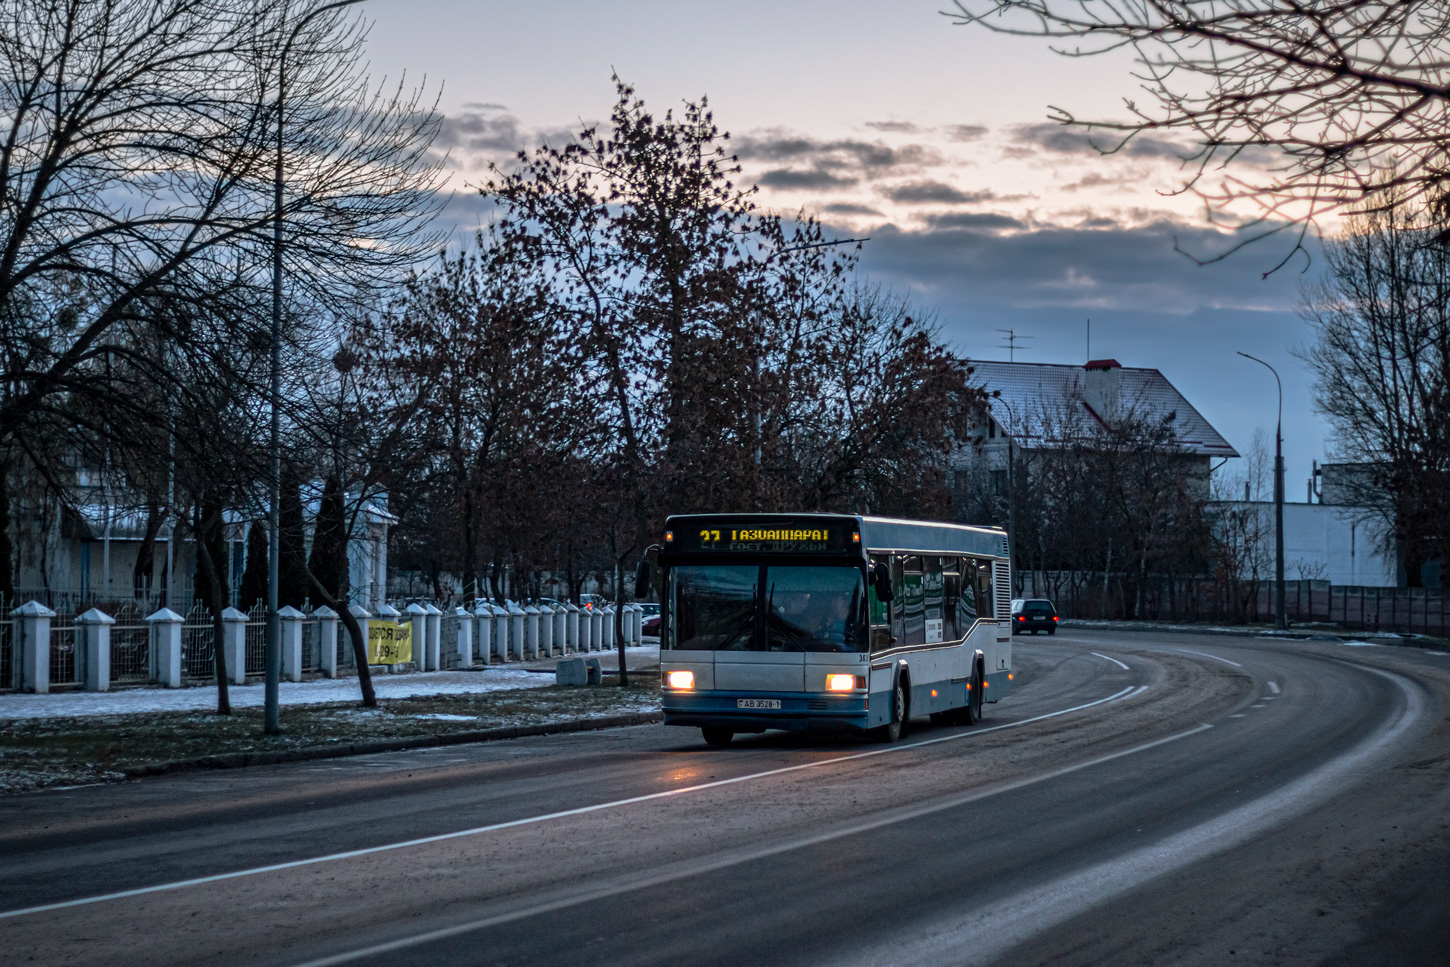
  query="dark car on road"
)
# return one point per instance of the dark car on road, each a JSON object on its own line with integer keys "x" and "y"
{"x": 1034, "y": 615}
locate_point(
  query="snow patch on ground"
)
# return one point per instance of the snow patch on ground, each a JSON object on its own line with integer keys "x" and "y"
{"x": 1359, "y": 644}
{"x": 321, "y": 691}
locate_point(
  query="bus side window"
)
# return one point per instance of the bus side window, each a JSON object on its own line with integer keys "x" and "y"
{"x": 951, "y": 591}
{"x": 880, "y": 613}
{"x": 967, "y": 607}
{"x": 984, "y": 588}
{"x": 931, "y": 586}
{"x": 913, "y": 599}
{"x": 898, "y": 607}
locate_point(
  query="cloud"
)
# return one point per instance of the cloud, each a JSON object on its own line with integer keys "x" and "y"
{"x": 810, "y": 179}
{"x": 813, "y": 164}
{"x": 893, "y": 127}
{"x": 972, "y": 221}
{"x": 966, "y": 263}
{"x": 933, "y": 192}
{"x": 845, "y": 208}
{"x": 1098, "y": 180}
{"x": 1066, "y": 139}
{"x": 480, "y": 131}
{"x": 965, "y": 132}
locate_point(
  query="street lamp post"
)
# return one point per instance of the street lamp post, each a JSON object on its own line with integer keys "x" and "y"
{"x": 1280, "y": 621}
{"x": 271, "y": 721}
{"x": 1011, "y": 487}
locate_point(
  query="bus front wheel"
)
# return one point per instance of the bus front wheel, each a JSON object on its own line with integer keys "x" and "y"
{"x": 896, "y": 728}
{"x": 720, "y": 737}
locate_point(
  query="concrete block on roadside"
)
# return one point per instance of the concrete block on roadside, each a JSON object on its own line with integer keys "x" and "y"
{"x": 571, "y": 671}
{"x": 595, "y": 674}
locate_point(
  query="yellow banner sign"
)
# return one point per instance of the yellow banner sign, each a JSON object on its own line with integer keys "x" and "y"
{"x": 390, "y": 642}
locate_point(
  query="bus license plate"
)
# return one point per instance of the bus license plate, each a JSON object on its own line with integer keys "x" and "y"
{"x": 757, "y": 703}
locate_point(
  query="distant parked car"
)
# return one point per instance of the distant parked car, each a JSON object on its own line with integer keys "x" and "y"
{"x": 649, "y": 608}
{"x": 650, "y": 627}
{"x": 1034, "y": 615}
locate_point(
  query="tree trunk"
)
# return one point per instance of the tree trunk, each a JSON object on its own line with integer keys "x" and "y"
{"x": 354, "y": 634}
{"x": 209, "y": 573}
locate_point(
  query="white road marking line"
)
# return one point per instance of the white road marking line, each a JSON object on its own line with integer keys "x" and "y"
{"x": 1203, "y": 654}
{"x": 580, "y": 811}
{"x": 1238, "y": 716}
{"x": 1114, "y": 661}
{"x": 984, "y": 934}
{"x": 734, "y": 858}
{"x": 1436, "y": 652}
{"x": 1260, "y": 705}
{"x": 1274, "y": 687}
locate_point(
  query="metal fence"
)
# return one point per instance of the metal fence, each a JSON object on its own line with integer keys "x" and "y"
{"x": 198, "y": 644}
{"x": 130, "y": 646}
{"x": 256, "y": 639}
{"x": 63, "y": 650}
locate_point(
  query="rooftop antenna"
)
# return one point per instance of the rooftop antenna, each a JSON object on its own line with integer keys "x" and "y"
{"x": 1011, "y": 344}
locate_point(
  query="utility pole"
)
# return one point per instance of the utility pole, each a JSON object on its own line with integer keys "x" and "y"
{"x": 1280, "y": 620}
{"x": 271, "y": 717}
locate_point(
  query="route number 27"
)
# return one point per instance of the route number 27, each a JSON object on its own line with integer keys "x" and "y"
{"x": 709, "y": 537}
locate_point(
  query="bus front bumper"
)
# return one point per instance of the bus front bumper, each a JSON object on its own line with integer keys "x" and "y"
{"x": 798, "y": 712}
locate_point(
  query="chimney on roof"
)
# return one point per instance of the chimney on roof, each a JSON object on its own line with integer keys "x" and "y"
{"x": 1100, "y": 389}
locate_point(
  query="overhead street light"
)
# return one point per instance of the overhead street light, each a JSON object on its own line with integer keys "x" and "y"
{"x": 1280, "y": 621}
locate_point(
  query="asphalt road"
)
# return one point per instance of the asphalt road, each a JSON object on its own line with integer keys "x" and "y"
{"x": 1140, "y": 798}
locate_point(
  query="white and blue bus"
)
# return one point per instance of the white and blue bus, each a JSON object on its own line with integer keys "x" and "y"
{"x": 830, "y": 622}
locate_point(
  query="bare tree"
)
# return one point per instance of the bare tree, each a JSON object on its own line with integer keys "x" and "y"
{"x": 136, "y": 157}
{"x": 1328, "y": 101}
{"x": 1381, "y": 360}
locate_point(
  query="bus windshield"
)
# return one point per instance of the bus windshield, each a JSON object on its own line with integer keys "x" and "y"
{"x": 729, "y": 607}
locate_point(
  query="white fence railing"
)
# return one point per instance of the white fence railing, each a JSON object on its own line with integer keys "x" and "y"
{"x": 40, "y": 649}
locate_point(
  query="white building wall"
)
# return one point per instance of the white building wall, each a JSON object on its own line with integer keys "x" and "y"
{"x": 1325, "y": 542}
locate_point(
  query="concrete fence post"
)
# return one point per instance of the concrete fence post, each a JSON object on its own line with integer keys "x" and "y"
{"x": 165, "y": 635}
{"x": 531, "y": 631}
{"x": 32, "y": 625}
{"x": 638, "y": 627}
{"x": 418, "y": 616}
{"x": 483, "y": 631}
{"x": 546, "y": 631}
{"x": 93, "y": 650}
{"x": 516, "y": 630}
{"x": 363, "y": 617}
{"x": 596, "y": 629}
{"x": 561, "y": 630}
{"x": 234, "y": 644}
{"x": 501, "y": 621}
{"x": 434, "y": 624}
{"x": 571, "y": 628}
{"x": 608, "y": 616}
{"x": 291, "y": 634}
{"x": 327, "y": 640}
{"x": 463, "y": 643}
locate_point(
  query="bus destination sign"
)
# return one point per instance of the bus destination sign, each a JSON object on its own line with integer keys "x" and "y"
{"x": 770, "y": 538}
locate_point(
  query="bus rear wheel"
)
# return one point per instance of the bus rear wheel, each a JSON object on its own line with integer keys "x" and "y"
{"x": 720, "y": 737}
{"x": 971, "y": 713}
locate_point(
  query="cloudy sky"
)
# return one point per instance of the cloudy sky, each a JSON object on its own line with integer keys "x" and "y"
{"x": 886, "y": 120}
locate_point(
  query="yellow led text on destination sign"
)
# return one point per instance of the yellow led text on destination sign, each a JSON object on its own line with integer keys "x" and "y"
{"x": 777, "y": 535}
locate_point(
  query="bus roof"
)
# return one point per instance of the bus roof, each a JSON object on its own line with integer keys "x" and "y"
{"x": 885, "y": 533}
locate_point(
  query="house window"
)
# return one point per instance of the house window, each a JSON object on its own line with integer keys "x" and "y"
{"x": 999, "y": 483}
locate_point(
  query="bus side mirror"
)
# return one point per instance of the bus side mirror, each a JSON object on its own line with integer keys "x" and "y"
{"x": 881, "y": 583}
{"x": 641, "y": 580}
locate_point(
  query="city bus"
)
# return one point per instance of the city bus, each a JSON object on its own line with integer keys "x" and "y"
{"x": 811, "y": 622}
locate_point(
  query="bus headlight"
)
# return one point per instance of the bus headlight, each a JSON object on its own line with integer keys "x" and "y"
{"x": 684, "y": 680}
{"x": 840, "y": 683}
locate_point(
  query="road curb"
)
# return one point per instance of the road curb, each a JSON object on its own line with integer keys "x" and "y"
{"x": 1421, "y": 641}
{"x": 242, "y": 760}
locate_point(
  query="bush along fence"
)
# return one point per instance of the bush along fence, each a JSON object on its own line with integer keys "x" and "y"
{"x": 41, "y": 650}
